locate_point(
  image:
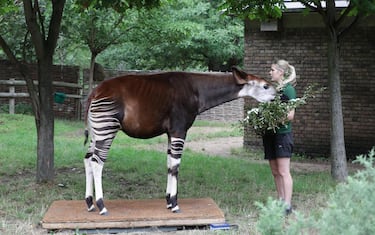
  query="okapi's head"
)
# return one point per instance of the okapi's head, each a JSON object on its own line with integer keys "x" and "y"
{"x": 253, "y": 86}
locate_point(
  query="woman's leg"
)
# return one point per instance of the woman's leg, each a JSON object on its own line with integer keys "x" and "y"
{"x": 277, "y": 178}
{"x": 283, "y": 166}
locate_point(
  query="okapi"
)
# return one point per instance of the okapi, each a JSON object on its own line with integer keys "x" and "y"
{"x": 145, "y": 106}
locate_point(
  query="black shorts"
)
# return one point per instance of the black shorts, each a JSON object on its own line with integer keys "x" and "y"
{"x": 278, "y": 145}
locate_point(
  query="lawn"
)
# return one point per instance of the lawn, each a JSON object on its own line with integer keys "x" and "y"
{"x": 134, "y": 171}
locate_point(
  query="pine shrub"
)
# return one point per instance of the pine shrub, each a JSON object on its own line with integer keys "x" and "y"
{"x": 350, "y": 208}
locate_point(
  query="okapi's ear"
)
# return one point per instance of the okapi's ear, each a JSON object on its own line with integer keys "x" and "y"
{"x": 239, "y": 75}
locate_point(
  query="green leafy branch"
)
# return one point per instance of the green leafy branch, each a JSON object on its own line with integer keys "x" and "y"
{"x": 272, "y": 115}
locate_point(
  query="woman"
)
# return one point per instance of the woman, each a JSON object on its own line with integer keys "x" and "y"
{"x": 278, "y": 147}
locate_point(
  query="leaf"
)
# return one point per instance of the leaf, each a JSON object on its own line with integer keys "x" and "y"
{"x": 270, "y": 116}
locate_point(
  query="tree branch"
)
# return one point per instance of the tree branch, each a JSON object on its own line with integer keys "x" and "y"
{"x": 115, "y": 40}
{"x": 344, "y": 14}
{"x": 24, "y": 46}
{"x": 343, "y": 32}
{"x": 308, "y": 5}
{"x": 55, "y": 24}
{"x": 8, "y": 52}
{"x": 33, "y": 27}
{"x": 41, "y": 20}
{"x": 318, "y": 8}
{"x": 33, "y": 91}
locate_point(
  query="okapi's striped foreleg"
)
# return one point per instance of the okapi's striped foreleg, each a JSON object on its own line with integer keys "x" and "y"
{"x": 175, "y": 149}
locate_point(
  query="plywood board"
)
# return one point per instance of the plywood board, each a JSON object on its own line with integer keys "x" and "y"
{"x": 65, "y": 214}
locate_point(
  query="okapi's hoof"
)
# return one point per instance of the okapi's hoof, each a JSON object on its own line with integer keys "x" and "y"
{"x": 176, "y": 209}
{"x": 91, "y": 209}
{"x": 90, "y": 204}
{"x": 104, "y": 211}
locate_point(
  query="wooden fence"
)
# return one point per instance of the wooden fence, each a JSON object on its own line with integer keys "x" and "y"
{"x": 12, "y": 94}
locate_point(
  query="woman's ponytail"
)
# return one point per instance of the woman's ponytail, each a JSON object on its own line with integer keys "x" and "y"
{"x": 290, "y": 76}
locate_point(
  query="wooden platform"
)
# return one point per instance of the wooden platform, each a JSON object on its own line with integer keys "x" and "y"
{"x": 132, "y": 214}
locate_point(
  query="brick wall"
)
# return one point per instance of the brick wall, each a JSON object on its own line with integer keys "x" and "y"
{"x": 305, "y": 48}
{"x": 228, "y": 112}
{"x": 69, "y": 109}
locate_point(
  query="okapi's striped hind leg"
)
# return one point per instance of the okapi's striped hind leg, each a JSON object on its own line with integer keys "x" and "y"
{"x": 89, "y": 179}
{"x": 175, "y": 149}
{"x": 89, "y": 185}
{"x": 104, "y": 124}
{"x": 94, "y": 178}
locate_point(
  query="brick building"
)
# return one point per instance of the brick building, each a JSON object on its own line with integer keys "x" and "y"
{"x": 301, "y": 39}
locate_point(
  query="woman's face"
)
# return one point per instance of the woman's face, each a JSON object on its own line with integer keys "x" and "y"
{"x": 276, "y": 74}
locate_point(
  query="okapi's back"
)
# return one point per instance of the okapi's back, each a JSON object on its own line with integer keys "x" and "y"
{"x": 142, "y": 85}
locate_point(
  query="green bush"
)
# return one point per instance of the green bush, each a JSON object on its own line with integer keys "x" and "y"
{"x": 271, "y": 217}
{"x": 350, "y": 208}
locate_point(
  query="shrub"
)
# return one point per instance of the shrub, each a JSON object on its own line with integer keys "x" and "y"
{"x": 271, "y": 217}
{"x": 350, "y": 208}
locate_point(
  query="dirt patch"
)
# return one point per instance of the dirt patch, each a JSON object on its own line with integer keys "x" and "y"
{"x": 309, "y": 167}
{"x": 224, "y": 147}
{"x": 217, "y": 147}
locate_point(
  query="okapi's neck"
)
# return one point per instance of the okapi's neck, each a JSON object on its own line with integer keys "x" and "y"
{"x": 215, "y": 89}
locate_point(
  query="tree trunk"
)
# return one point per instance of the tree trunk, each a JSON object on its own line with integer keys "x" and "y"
{"x": 44, "y": 49}
{"x": 338, "y": 153}
{"x": 92, "y": 71}
{"x": 45, "y": 129}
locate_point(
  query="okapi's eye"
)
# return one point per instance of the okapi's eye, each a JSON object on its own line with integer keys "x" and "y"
{"x": 266, "y": 86}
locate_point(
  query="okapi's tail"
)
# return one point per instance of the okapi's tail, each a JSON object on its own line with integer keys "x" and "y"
{"x": 86, "y": 136}
{"x": 88, "y": 102}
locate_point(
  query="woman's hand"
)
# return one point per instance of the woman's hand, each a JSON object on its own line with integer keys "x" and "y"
{"x": 291, "y": 113}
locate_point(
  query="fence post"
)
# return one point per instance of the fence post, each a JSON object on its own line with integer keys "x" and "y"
{"x": 12, "y": 99}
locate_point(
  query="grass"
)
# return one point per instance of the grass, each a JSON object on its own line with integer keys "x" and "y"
{"x": 133, "y": 172}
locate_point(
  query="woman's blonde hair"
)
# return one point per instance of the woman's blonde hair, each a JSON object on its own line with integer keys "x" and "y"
{"x": 289, "y": 73}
